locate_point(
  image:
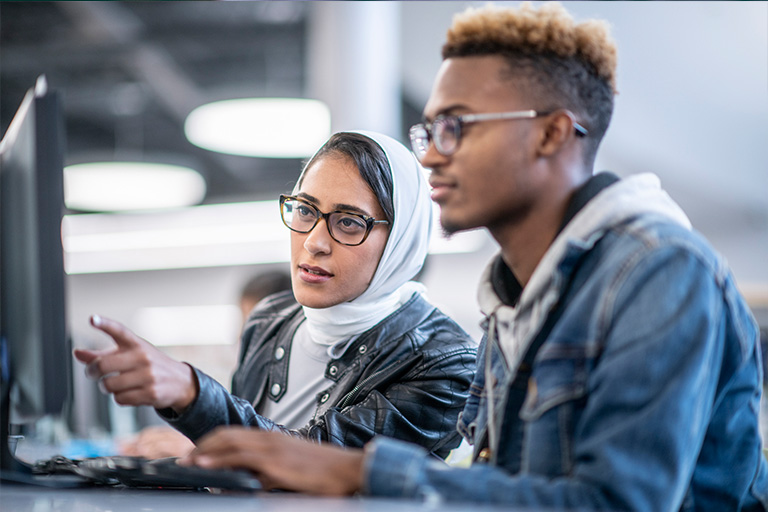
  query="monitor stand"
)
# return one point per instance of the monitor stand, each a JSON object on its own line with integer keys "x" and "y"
{"x": 15, "y": 471}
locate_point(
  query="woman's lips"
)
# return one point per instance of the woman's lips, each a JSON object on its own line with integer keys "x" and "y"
{"x": 313, "y": 275}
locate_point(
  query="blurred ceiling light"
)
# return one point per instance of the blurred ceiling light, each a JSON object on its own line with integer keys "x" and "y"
{"x": 260, "y": 127}
{"x": 201, "y": 236}
{"x": 127, "y": 186}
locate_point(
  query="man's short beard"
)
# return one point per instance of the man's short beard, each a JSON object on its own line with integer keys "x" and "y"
{"x": 449, "y": 230}
{"x": 450, "y": 227}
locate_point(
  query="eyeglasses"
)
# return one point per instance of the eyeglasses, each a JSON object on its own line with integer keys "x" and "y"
{"x": 347, "y": 228}
{"x": 445, "y": 131}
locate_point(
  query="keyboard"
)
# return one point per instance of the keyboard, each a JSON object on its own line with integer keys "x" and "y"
{"x": 132, "y": 471}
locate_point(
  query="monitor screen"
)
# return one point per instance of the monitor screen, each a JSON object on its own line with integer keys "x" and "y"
{"x": 35, "y": 355}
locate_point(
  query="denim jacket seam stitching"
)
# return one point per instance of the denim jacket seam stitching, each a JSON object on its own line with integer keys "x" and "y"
{"x": 608, "y": 302}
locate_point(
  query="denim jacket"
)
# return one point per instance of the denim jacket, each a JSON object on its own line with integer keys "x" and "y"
{"x": 644, "y": 395}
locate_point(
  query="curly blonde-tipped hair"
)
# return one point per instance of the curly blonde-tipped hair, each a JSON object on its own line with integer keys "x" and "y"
{"x": 548, "y": 30}
{"x": 562, "y": 64}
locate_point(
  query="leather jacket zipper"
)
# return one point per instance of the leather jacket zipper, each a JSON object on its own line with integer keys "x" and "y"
{"x": 356, "y": 390}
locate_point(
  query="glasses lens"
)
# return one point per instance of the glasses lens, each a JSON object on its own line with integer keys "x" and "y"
{"x": 445, "y": 131}
{"x": 299, "y": 216}
{"x": 419, "y": 140}
{"x": 347, "y": 228}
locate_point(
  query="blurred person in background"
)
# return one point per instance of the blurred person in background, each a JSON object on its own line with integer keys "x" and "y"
{"x": 260, "y": 286}
{"x": 158, "y": 441}
{"x": 357, "y": 351}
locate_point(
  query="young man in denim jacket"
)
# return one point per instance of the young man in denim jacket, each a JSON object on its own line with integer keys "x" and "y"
{"x": 644, "y": 390}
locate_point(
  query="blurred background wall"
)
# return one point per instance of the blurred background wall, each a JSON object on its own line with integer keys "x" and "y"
{"x": 692, "y": 108}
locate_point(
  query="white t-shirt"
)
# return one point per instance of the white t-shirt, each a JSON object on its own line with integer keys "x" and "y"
{"x": 306, "y": 378}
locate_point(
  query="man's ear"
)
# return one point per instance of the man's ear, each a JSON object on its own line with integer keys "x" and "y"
{"x": 557, "y": 131}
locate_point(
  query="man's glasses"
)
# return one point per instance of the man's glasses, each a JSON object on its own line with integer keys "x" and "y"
{"x": 445, "y": 131}
{"x": 347, "y": 228}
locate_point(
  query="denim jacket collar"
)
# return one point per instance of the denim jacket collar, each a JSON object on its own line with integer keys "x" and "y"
{"x": 613, "y": 205}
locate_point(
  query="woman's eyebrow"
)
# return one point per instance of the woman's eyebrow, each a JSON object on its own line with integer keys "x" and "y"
{"x": 304, "y": 195}
{"x": 351, "y": 208}
{"x": 337, "y": 206}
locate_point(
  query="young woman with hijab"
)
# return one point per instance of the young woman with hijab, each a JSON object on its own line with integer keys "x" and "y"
{"x": 358, "y": 352}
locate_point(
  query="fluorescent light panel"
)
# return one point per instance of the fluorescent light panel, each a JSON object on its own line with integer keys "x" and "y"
{"x": 260, "y": 127}
{"x": 201, "y": 236}
{"x": 129, "y": 186}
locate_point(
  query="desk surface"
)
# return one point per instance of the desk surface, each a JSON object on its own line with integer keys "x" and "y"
{"x": 17, "y": 498}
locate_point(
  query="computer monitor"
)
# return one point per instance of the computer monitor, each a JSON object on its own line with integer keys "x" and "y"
{"x": 35, "y": 355}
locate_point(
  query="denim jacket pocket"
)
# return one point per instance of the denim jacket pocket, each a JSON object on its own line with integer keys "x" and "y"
{"x": 553, "y": 405}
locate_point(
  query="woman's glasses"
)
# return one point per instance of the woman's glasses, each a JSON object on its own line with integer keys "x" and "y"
{"x": 347, "y": 228}
{"x": 445, "y": 131}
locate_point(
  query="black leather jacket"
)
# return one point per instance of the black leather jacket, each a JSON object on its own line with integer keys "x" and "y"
{"x": 407, "y": 377}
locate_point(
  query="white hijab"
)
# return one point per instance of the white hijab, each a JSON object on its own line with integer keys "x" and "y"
{"x": 402, "y": 258}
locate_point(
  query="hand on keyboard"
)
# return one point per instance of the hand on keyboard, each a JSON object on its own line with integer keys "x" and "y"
{"x": 164, "y": 473}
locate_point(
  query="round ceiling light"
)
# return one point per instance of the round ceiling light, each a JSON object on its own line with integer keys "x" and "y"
{"x": 124, "y": 186}
{"x": 260, "y": 127}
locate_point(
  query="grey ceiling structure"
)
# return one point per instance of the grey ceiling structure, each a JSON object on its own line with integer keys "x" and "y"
{"x": 129, "y": 73}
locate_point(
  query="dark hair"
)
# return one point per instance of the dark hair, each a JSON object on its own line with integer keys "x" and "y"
{"x": 370, "y": 160}
{"x": 554, "y": 82}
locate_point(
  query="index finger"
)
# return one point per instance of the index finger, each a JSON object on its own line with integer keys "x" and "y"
{"x": 123, "y": 336}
